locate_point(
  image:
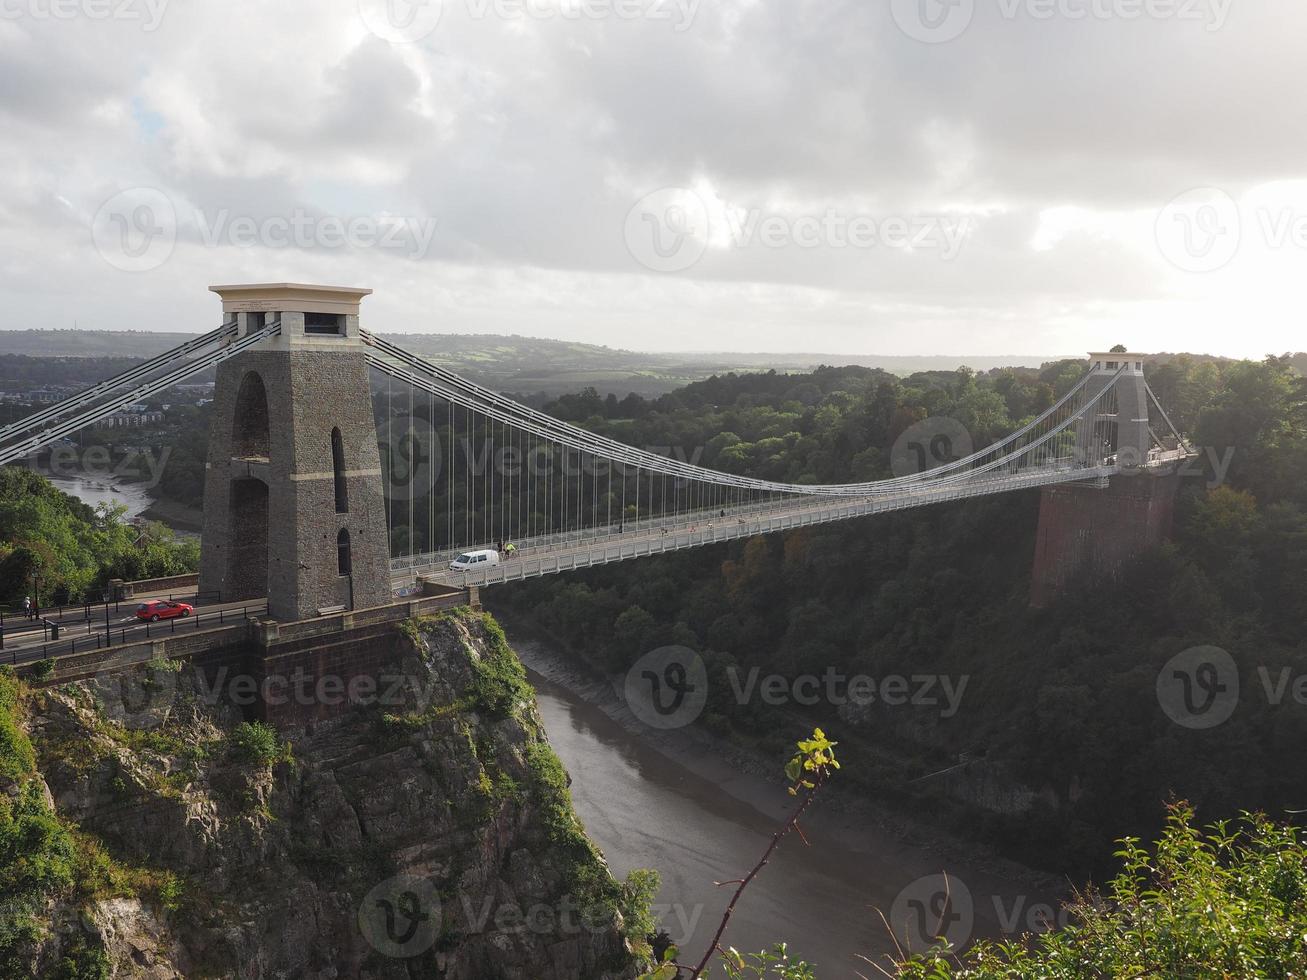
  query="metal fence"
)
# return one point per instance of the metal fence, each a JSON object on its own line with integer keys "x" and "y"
{"x": 14, "y": 626}
{"x": 117, "y": 634}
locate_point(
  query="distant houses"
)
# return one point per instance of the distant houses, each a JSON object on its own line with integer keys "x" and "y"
{"x": 128, "y": 418}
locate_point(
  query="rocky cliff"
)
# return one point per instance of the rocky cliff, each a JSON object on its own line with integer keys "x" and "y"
{"x": 147, "y": 830}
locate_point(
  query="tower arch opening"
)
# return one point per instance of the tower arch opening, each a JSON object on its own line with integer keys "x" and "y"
{"x": 250, "y": 436}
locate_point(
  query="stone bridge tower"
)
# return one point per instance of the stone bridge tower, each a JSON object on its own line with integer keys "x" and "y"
{"x": 1118, "y": 424}
{"x": 1093, "y": 530}
{"x": 293, "y": 500}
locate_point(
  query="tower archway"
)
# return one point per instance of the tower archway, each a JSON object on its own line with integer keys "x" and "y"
{"x": 250, "y": 436}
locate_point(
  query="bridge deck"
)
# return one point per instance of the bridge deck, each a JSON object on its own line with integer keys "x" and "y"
{"x": 559, "y": 553}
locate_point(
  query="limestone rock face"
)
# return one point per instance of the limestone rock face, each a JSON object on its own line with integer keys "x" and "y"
{"x": 427, "y": 836}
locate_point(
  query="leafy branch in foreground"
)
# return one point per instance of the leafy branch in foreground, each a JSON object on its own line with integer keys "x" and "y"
{"x": 807, "y": 771}
{"x": 1217, "y": 904}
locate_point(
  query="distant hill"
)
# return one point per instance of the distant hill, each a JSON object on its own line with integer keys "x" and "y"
{"x": 88, "y": 343}
{"x": 525, "y": 364}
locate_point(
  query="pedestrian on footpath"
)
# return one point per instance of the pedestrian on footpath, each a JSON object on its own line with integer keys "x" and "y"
{"x": 27, "y": 607}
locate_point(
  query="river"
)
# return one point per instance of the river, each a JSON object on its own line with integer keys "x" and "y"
{"x": 93, "y": 491}
{"x": 700, "y": 823}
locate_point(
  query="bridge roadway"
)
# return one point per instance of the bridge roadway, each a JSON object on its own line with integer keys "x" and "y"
{"x": 27, "y": 640}
{"x": 564, "y": 552}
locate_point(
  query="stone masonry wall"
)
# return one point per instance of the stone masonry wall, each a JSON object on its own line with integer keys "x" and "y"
{"x": 309, "y": 393}
{"x": 1082, "y": 528}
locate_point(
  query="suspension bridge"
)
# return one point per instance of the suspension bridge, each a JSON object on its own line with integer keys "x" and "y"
{"x": 345, "y": 472}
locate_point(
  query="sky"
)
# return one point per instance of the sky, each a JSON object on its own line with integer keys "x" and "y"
{"x": 854, "y": 176}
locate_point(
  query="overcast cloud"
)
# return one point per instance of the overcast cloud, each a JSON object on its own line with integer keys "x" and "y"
{"x": 896, "y": 176}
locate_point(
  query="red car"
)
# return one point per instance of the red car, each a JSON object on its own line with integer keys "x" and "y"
{"x": 162, "y": 609}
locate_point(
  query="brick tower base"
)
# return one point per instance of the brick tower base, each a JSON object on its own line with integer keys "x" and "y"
{"x": 1083, "y": 528}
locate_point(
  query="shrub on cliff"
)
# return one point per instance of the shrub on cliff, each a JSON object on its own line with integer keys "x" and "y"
{"x": 1216, "y": 903}
{"x": 257, "y": 744}
{"x": 16, "y": 756}
{"x": 499, "y": 683}
{"x": 37, "y": 854}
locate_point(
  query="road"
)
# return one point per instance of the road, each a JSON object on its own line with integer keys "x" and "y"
{"x": 560, "y": 553}
{"x": 25, "y": 641}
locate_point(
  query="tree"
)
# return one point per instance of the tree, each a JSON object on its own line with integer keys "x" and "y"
{"x": 71, "y": 548}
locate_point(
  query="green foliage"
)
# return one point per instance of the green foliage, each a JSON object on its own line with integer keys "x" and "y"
{"x": 37, "y": 858}
{"x": 70, "y": 548}
{"x": 588, "y": 878}
{"x": 42, "y": 670}
{"x": 257, "y": 744}
{"x": 17, "y": 759}
{"x": 170, "y": 891}
{"x": 773, "y": 964}
{"x": 812, "y": 763}
{"x": 636, "y": 901}
{"x": 416, "y": 626}
{"x": 499, "y": 683}
{"x": 82, "y": 961}
{"x": 1220, "y": 903}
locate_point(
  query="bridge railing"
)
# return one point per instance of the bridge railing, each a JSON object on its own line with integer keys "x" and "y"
{"x": 122, "y": 634}
{"x": 16, "y": 627}
{"x": 544, "y": 543}
{"x": 218, "y": 630}
{"x": 601, "y": 552}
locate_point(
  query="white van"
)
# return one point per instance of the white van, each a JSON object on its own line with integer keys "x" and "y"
{"x": 475, "y": 559}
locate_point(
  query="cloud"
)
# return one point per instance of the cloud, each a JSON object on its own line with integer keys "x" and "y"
{"x": 527, "y": 137}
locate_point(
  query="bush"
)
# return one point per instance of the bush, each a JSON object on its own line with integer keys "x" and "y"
{"x": 499, "y": 683}
{"x": 42, "y": 670}
{"x": 257, "y": 744}
{"x": 1220, "y": 903}
{"x": 17, "y": 759}
{"x": 82, "y": 961}
{"x": 37, "y": 858}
